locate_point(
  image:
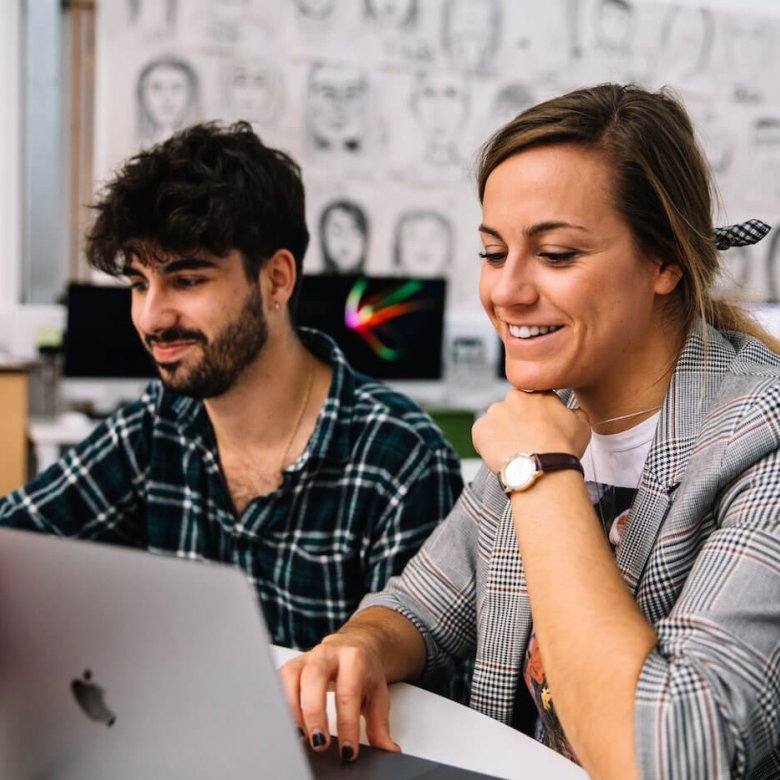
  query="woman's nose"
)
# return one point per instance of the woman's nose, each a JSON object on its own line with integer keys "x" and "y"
{"x": 516, "y": 283}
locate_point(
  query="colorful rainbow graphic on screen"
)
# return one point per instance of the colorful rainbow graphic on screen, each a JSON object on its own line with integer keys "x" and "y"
{"x": 371, "y": 317}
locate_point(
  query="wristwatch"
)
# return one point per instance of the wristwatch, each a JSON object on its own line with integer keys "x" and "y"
{"x": 522, "y": 469}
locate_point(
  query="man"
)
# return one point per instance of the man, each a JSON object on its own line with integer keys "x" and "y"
{"x": 260, "y": 446}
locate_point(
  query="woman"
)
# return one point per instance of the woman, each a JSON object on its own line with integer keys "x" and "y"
{"x": 654, "y": 648}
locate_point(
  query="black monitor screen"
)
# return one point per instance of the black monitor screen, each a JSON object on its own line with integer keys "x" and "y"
{"x": 388, "y": 327}
{"x": 100, "y": 340}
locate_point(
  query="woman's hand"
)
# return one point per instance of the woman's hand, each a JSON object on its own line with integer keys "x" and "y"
{"x": 374, "y": 647}
{"x": 358, "y": 679}
{"x": 529, "y": 422}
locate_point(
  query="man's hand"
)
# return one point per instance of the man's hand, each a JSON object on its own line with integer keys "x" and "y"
{"x": 355, "y": 673}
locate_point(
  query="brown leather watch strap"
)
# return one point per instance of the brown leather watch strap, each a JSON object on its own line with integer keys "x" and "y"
{"x": 555, "y": 461}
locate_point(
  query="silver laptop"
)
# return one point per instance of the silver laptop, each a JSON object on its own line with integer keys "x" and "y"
{"x": 115, "y": 663}
{"x": 120, "y": 664}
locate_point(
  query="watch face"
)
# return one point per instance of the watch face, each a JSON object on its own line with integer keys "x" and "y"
{"x": 519, "y": 471}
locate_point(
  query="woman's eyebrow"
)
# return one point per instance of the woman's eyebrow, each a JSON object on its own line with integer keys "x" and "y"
{"x": 544, "y": 227}
{"x": 533, "y": 230}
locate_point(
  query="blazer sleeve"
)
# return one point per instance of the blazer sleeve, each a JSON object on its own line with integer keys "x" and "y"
{"x": 437, "y": 589}
{"x": 708, "y": 697}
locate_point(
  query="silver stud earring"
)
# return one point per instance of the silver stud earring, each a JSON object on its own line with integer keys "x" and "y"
{"x": 276, "y": 306}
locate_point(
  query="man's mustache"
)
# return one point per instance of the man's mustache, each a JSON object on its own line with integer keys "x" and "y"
{"x": 174, "y": 334}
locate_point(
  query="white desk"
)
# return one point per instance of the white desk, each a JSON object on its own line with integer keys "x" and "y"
{"x": 434, "y": 727}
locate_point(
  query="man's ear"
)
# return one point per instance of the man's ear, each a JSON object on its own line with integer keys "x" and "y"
{"x": 277, "y": 278}
{"x": 668, "y": 276}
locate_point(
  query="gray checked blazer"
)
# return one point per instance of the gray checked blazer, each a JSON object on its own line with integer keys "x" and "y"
{"x": 701, "y": 553}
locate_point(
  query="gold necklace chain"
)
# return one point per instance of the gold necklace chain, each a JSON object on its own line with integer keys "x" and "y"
{"x": 301, "y": 410}
{"x": 627, "y": 416}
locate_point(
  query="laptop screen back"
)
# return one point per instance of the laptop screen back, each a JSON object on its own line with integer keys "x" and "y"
{"x": 121, "y": 664}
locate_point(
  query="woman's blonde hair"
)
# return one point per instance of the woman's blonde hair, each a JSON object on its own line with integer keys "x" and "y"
{"x": 662, "y": 183}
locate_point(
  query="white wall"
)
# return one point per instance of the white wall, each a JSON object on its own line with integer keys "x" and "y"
{"x": 771, "y": 7}
{"x": 19, "y": 324}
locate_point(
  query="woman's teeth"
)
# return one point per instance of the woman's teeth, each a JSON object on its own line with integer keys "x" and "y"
{"x": 526, "y": 332}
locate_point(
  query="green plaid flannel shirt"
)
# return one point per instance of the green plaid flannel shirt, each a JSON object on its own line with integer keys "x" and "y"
{"x": 374, "y": 480}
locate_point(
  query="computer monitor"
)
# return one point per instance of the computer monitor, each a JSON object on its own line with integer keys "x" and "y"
{"x": 388, "y": 327}
{"x": 100, "y": 341}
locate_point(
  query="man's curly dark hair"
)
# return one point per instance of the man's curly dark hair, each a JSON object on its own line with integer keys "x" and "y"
{"x": 210, "y": 188}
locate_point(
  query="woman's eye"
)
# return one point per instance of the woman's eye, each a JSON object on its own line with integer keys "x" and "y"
{"x": 558, "y": 257}
{"x": 493, "y": 257}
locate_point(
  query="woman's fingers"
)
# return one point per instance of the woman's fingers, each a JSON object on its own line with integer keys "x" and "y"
{"x": 359, "y": 686}
{"x": 377, "y": 715}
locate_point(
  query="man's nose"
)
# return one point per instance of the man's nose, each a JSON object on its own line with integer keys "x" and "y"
{"x": 153, "y": 310}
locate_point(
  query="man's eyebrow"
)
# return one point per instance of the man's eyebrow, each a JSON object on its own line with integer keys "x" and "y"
{"x": 174, "y": 266}
{"x": 187, "y": 264}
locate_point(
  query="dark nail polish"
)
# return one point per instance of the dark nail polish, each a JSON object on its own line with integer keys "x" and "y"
{"x": 347, "y": 753}
{"x": 317, "y": 739}
{"x": 301, "y": 733}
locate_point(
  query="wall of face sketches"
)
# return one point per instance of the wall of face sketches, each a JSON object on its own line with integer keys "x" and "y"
{"x": 385, "y": 103}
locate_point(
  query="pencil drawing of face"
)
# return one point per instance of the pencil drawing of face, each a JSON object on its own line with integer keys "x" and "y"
{"x": 255, "y": 91}
{"x": 315, "y": 9}
{"x": 343, "y": 237}
{"x": 226, "y": 19}
{"x": 336, "y": 108}
{"x": 470, "y": 31}
{"x": 615, "y": 25}
{"x": 423, "y": 243}
{"x": 440, "y": 104}
{"x": 686, "y": 40}
{"x": 765, "y": 151}
{"x": 153, "y": 16}
{"x": 392, "y": 14}
{"x": 749, "y": 45}
{"x": 167, "y": 95}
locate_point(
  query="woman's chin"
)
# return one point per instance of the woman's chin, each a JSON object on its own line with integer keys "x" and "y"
{"x": 522, "y": 380}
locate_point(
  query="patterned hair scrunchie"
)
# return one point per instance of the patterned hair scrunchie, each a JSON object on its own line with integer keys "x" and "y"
{"x": 742, "y": 234}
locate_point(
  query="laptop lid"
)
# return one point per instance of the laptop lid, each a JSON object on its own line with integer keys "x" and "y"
{"x": 117, "y": 663}
{"x": 122, "y": 664}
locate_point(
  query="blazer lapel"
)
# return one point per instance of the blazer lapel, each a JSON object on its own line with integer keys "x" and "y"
{"x": 694, "y": 384}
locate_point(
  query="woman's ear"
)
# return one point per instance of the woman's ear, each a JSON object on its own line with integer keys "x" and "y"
{"x": 667, "y": 277}
{"x": 279, "y": 273}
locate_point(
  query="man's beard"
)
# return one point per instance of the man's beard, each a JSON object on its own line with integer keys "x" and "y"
{"x": 224, "y": 357}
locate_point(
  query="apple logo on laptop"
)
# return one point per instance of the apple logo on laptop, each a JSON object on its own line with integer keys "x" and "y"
{"x": 89, "y": 697}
